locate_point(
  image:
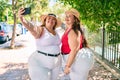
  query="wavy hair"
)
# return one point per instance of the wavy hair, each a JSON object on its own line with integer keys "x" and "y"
{"x": 76, "y": 27}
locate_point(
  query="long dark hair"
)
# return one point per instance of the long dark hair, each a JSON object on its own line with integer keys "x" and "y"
{"x": 76, "y": 27}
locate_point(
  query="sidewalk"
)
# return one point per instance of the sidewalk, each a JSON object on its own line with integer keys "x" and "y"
{"x": 13, "y": 63}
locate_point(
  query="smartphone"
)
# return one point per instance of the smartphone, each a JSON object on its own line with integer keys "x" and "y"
{"x": 27, "y": 11}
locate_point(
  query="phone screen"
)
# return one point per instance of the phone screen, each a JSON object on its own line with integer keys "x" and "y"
{"x": 27, "y": 11}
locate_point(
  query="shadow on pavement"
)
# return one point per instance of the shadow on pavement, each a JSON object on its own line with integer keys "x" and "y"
{"x": 15, "y": 71}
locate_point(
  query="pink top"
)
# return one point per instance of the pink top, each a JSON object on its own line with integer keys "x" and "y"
{"x": 65, "y": 46}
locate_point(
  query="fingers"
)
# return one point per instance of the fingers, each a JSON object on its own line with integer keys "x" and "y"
{"x": 20, "y": 12}
{"x": 67, "y": 70}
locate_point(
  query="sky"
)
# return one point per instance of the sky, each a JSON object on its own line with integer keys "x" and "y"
{"x": 10, "y": 1}
{"x": 52, "y": 2}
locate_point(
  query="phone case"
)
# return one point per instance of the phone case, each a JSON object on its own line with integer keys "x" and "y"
{"x": 27, "y": 11}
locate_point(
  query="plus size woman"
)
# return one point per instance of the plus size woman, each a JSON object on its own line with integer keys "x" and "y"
{"x": 45, "y": 62}
{"x": 77, "y": 64}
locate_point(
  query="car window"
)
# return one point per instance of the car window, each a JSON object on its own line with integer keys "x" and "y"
{"x": 4, "y": 28}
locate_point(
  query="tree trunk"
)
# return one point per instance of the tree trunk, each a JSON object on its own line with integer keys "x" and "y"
{"x": 12, "y": 45}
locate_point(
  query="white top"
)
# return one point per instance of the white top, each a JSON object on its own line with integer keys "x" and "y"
{"x": 48, "y": 42}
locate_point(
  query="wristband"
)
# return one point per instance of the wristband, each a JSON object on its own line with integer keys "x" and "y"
{"x": 67, "y": 66}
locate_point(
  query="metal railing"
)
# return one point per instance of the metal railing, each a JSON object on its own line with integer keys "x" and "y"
{"x": 107, "y": 45}
{"x": 112, "y": 48}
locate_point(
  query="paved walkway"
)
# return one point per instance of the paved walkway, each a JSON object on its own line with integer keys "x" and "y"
{"x": 13, "y": 63}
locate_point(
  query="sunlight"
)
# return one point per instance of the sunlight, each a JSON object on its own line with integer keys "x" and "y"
{"x": 52, "y": 2}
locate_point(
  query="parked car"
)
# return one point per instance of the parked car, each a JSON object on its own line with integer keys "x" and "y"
{"x": 5, "y": 32}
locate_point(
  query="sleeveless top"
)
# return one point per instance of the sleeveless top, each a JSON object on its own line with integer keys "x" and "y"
{"x": 65, "y": 49}
{"x": 48, "y": 42}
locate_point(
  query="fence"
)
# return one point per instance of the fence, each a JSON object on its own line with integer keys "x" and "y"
{"x": 107, "y": 45}
{"x": 112, "y": 48}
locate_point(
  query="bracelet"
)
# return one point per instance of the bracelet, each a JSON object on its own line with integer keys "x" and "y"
{"x": 67, "y": 66}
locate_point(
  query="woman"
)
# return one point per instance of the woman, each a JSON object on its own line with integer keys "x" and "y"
{"x": 73, "y": 41}
{"x": 45, "y": 62}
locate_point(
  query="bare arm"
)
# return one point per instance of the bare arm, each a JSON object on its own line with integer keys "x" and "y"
{"x": 35, "y": 31}
{"x": 74, "y": 41}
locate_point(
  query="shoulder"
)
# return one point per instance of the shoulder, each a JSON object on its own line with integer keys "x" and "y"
{"x": 72, "y": 33}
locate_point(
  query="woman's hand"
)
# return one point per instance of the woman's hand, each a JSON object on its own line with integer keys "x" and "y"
{"x": 67, "y": 70}
{"x": 20, "y": 12}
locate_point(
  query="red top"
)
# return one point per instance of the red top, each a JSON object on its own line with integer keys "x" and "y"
{"x": 65, "y": 46}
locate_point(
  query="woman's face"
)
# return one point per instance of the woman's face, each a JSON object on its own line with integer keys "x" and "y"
{"x": 50, "y": 21}
{"x": 69, "y": 19}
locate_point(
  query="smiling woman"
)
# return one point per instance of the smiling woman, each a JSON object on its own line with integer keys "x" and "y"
{"x": 77, "y": 57}
{"x": 45, "y": 62}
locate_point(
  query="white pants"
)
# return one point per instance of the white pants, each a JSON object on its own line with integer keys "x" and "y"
{"x": 43, "y": 67}
{"x": 81, "y": 66}
{"x": 64, "y": 59}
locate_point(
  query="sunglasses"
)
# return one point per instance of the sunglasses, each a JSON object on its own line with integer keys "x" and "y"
{"x": 52, "y": 15}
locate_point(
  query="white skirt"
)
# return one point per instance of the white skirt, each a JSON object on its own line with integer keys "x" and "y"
{"x": 83, "y": 63}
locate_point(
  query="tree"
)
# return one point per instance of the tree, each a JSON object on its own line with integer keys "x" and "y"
{"x": 14, "y": 28}
{"x": 99, "y": 13}
{"x": 93, "y": 12}
{"x": 16, "y": 4}
{"x": 38, "y": 7}
{"x": 3, "y": 7}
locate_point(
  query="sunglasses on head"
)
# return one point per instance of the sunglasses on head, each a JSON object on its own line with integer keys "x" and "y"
{"x": 52, "y": 15}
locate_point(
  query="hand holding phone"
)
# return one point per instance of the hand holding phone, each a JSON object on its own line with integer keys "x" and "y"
{"x": 27, "y": 11}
